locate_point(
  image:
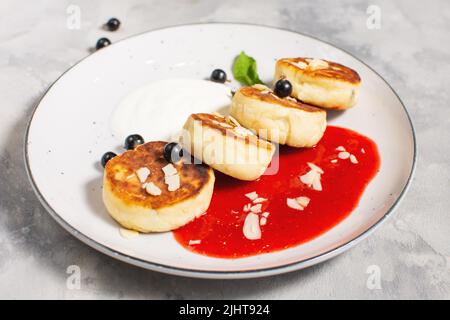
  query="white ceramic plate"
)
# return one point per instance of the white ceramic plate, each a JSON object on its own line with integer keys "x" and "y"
{"x": 70, "y": 131}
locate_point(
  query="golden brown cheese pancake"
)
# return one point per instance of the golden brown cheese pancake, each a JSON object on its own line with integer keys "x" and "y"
{"x": 136, "y": 189}
{"x": 225, "y": 145}
{"x": 280, "y": 120}
{"x": 319, "y": 82}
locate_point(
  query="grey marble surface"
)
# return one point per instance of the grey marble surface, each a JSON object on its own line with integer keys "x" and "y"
{"x": 411, "y": 50}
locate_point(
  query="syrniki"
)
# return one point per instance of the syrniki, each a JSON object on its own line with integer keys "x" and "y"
{"x": 322, "y": 83}
{"x": 280, "y": 120}
{"x": 225, "y": 145}
{"x": 144, "y": 192}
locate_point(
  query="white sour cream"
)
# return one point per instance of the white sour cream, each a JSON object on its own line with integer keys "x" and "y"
{"x": 158, "y": 110}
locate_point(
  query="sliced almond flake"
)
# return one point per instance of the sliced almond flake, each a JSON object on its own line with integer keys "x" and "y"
{"x": 247, "y": 207}
{"x": 274, "y": 95}
{"x": 340, "y": 148}
{"x": 317, "y": 185}
{"x": 303, "y": 201}
{"x": 142, "y": 174}
{"x": 334, "y": 161}
{"x": 302, "y": 65}
{"x": 218, "y": 114}
{"x": 266, "y": 214}
{"x": 242, "y": 131}
{"x": 292, "y": 203}
{"x": 259, "y": 200}
{"x": 173, "y": 182}
{"x": 353, "y": 159}
{"x": 252, "y": 195}
{"x": 257, "y": 208}
{"x": 153, "y": 189}
{"x": 261, "y": 87}
{"x": 309, "y": 177}
{"x": 131, "y": 176}
{"x": 315, "y": 168}
{"x": 251, "y": 227}
{"x": 232, "y": 211}
{"x": 343, "y": 155}
{"x": 362, "y": 150}
{"x": 194, "y": 242}
{"x": 225, "y": 125}
{"x": 262, "y": 221}
{"x": 291, "y": 99}
{"x": 128, "y": 234}
{"x": 299, "y": 203}
{"x": 233, "y": 121}
{"x": 169, "y": 170}
{"x": 318, "y": 64}
{"x": 264, "y": 92}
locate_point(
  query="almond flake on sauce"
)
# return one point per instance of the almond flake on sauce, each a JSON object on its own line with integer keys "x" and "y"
{"x": 340, "y": 148}
{"x": 152, "y": 189}
{"x": 309, "y": 177}
{"x": 343, "y": 155}
{"x": 292, "y": 203}
{"x": 142, "y": 174}
{"x": 314, "y": 167}
{"x": 312, "y": 178}
{"x": 257, "y": 208}
{"x": 317, "y": 184}
{"x": 299, "y": 203}
{"x": 266, "y": 214}
{"x": 263, "y": 221}
{"x": 259, "y": 200}
{"x": 353, "y": 159}
{"x": 362, "y": 150}
{"x": 252, "y": 195}
{"x": 303, "y": 201}
{"x": 251, "y": 228}
{"x": 334, "y": 161}
{"x": 194, "y": 242}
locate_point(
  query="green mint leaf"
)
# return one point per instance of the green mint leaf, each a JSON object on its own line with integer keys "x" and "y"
{"x": 245, "y": 70}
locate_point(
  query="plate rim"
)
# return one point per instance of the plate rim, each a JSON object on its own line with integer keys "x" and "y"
{"x": 233, "y": 274}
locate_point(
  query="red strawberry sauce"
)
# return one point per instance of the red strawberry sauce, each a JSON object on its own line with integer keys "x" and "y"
{"x": 343, "y": 183}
